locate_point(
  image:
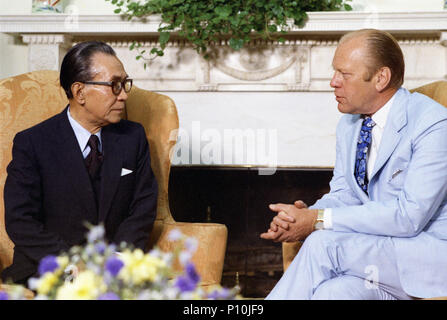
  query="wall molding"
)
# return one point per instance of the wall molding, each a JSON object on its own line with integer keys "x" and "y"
{"x": 319, "y": 22}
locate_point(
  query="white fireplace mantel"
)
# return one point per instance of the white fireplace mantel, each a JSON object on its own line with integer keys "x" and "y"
{"x": 319, "y": 22}
{"x": 269, "y": 104}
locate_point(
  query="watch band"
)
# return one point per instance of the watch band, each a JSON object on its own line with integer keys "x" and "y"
{"x": 319, "y": 223}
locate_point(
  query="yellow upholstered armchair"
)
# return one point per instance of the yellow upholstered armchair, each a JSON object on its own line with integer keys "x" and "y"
{"x": 435, "y": 90}
{"x": 30, "y": 98}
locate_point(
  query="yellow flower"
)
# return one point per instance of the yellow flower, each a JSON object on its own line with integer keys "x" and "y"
{"x": 140, "y": 267}
{"x": 46, "y": 283}
{"x": 62, "y": 261}
{"x": 86, "y": 286}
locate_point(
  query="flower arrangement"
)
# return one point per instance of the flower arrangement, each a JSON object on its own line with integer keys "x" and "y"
{"x": 101, "y": 271}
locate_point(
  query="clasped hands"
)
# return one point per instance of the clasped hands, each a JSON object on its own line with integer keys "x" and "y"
{"x": 292, "y": 222}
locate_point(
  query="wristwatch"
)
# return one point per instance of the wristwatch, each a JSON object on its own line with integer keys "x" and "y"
{"x": 319, "y": 223}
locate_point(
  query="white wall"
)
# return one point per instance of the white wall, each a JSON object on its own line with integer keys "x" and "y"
{"x": 84, "y": 6}
{"x": 13, "y": 53}
{"x": 91, "y": 6}
{"x": 15, "y": 7}
{"x": 13, "y": 56}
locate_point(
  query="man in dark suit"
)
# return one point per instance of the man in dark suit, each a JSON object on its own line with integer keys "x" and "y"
{"x": 82, "y": 165}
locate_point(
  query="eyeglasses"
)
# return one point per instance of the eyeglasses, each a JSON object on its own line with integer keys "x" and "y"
{"x": 117, "y": 86}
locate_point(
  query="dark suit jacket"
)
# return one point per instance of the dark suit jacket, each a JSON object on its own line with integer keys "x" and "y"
{"x": 48, "y": 194}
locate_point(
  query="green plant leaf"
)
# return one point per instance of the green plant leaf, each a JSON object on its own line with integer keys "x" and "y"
{"x": 223, "y": 12}
{"x": 236, "y": 44}
{"x": 203, "y": 23}
{"x": 272, "y": 28}
{"x": 163, "y": 39}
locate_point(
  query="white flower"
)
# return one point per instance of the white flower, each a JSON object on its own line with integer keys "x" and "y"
{"x": 95, "y": 233}
{"x": 33, "y": 283}
{"x": 184, "y": 257}
{"x": 171, "y": 293}
{"x": 144, "y": 295}
{"x": 156, "y": 253}
{"x": 191, "y": 244}
{"x": 168, "y": 257}
{"x": 175, "y": 235}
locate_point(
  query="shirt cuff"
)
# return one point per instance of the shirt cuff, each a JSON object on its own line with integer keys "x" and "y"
{"x": 327, "y": 217}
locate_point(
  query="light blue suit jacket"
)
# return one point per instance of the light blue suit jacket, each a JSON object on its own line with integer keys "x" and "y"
{"x": 407, "y": 191}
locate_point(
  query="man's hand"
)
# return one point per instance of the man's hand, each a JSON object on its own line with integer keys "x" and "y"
{"x": 292, "y": 223}
{"x": 300, "y": 204}
{"x": 286, "y": 218}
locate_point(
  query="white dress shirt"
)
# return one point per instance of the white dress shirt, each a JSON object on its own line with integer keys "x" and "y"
{"x": 380, "y": 118}
{"x": 82, "y": 135}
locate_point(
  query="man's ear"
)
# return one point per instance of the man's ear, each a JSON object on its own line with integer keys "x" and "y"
{"x": 382, "y": 78}
{"x": 77, "y": 90}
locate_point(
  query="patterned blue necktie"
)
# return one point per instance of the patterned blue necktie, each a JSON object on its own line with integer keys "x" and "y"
{"x": 362, "y": 152}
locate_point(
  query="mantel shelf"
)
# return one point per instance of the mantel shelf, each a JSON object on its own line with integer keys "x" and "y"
{"x": 318, "y": 23}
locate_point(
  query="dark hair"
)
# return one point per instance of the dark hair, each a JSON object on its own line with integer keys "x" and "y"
{"x": 384, "y": 51}
{"x": 77, "y": 62}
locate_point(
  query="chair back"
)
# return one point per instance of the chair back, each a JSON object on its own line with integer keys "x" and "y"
{"x": 435, "y": 90}
{"x": 25, "y": 100}
{"x": 158, "y": 115}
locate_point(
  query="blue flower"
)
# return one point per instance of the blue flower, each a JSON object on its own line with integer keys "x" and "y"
{"x": 48, "y": 264}
{"x": 100, "y": 247}
{"x": 4, "y": 295}
{"x": 109, "y": 296}
{"x": 223, "y": 293}
{"x": 189, "y": 281}
{"x": 213, "y": 295}
{"x": 191, "y": 273}
{"x": 114, "y": 265}
{"x": 185, "y": 284}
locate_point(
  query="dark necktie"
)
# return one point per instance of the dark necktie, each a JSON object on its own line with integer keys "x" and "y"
{"x": 93, "y": 163}
{"x": 94, "y": 159}
{"x": 362, "y": 151}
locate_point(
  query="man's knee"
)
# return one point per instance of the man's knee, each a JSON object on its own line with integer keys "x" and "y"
{"x": 345, "y": 288}
{"x": 319, "y": 239}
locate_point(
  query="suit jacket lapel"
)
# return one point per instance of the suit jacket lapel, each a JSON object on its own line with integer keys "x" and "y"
{"x": 111, "y": 169}
{"x": 72, "y": 165}
{"x": 397, "y": 119}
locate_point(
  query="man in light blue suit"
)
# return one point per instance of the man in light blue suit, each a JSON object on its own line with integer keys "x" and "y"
{"x": 381, "y": 231}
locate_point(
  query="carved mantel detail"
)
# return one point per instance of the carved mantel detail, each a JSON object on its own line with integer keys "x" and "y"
{"x": 46, "y": 51}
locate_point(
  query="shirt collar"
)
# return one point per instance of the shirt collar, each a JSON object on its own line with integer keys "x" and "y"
{"x": 82, "y": 134}
{"x": 381, "y": 116}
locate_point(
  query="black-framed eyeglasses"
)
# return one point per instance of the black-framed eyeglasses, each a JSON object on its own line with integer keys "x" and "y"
{"x": 116, "y": 85}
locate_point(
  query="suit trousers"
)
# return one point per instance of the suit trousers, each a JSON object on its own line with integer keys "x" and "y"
{"x": 342, "y": 266}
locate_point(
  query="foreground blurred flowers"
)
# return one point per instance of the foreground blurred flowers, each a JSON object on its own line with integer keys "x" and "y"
{"x": 101, "y": 271}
